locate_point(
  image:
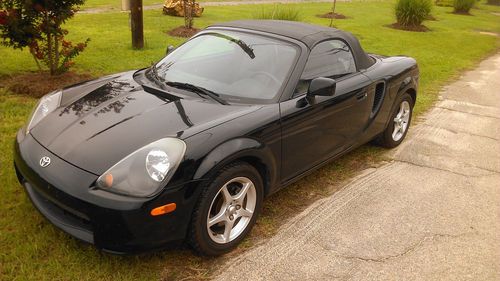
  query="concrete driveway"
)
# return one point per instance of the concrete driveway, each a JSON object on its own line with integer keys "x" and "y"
{"x": 432, "y": 213}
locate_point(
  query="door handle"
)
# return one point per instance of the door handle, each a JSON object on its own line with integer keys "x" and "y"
{"x": 361, "y": 96}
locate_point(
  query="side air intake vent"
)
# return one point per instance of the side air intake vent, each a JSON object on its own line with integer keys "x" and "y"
{"x": 379, "y": 96}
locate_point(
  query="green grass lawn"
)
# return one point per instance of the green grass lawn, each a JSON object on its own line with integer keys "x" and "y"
{"x": 32, "y": 249}
{"x": 114, "y": 4}
{"x": 117, "y": 4}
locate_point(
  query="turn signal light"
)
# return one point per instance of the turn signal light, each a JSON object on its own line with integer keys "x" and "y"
{"x": 165, "y": 209}
{"x": 108, "y": 180}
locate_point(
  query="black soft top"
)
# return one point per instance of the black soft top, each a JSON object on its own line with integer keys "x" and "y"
{"x": 309, "y": 34}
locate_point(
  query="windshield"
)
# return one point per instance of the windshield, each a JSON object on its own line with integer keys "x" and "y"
{"x": 237, "y": 66}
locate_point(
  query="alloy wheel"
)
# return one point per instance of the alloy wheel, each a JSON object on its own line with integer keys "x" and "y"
{"x": 231, "y": 210}
{"x": 401, "y": 121}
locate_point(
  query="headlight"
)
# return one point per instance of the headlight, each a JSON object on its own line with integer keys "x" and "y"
{"x": 45, "y": 106}
{"x": 143, "y": 172}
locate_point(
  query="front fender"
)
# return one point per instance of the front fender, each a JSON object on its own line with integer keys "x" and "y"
{"x": 246, "y": 149}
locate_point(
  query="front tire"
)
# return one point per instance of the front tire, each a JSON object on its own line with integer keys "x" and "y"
{"x": 399, "y": 123}
{"x": 226, "y": 210}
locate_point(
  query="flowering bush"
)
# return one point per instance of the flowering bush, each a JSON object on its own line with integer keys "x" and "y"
{"x": 36, "y": 25}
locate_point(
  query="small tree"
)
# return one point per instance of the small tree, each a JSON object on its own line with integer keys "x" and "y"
{"x": 36, "y": 24}
{"x": 333, "y": 12}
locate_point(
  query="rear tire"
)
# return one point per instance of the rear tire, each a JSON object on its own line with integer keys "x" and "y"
{"x": 226, "y": 210}
{"x": 399, "y": 123}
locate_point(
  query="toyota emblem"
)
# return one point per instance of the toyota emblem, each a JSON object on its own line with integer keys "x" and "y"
{"x": 44, "y": 161}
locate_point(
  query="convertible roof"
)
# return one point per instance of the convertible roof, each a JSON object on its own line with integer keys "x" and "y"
{"x": 309, "y": 34}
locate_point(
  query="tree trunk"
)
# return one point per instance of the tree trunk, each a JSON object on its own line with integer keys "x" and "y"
{"x": 50, "y": 50}
{"x": 333, "y": 12}
{"x": 188, "y": 13}
{"x": 49, "y": 54}
{"x": 136, "y": 24}
{"x": 36, "y": 60}
{"x": 56, "y": 51}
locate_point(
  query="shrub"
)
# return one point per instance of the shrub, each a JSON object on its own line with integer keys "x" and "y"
{"x": 463, "y": 6}
{"x": 493, "y": 2}
{"x": 36, "y": 24}
{"x": 280, "y": 12}
{"x": 410, "y": 13}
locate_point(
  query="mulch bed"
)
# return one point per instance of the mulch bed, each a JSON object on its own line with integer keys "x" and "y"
{"x": 37, "y": 84}
{"x": 431, "y": 18}
{"x": 461, "y": 13}
{"x": 182, "y": 31}
{"x": 418, "y": 28}
{"x": 331, "y": 15}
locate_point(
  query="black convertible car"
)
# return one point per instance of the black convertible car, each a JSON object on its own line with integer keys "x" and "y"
{"x": 188, "y": 148}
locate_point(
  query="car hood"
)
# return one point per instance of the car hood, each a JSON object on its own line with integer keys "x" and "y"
{"x": 102, "y": 121}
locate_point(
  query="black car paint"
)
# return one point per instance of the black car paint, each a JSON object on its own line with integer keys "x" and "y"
{"x": 112, "y": 222}
{"x": 116, "y": 110}
{"x": 102, "y": 121}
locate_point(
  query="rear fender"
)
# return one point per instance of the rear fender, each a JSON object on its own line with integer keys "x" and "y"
{"x": 409, "y": 84}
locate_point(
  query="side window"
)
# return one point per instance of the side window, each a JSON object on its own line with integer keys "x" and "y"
{"x": 332, "y": 59}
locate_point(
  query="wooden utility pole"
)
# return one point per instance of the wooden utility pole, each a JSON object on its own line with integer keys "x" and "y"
{"x": 136, "y": 24}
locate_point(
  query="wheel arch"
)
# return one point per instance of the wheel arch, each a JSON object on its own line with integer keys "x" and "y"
{"x": 409, "y": 85}
{"x": 413, "y": 93}
{"x": 262, "y": 168}
{"x": 246, "y": 150}
{"x": 405, "y": 87}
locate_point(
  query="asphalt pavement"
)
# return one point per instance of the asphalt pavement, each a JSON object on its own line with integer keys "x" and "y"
{"x": 431, "y": 213}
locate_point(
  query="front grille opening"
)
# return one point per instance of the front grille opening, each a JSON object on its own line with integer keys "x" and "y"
{"x": 379, "y": 96}
{"x": 64, "y": 214}
{"x": 56, "y": 206}
{"x": 80, "y": 219}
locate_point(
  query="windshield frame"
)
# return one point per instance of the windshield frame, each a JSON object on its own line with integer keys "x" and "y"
{"x": 299, "y": 47}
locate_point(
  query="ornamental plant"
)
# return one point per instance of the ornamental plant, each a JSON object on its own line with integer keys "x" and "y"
{"x": 463, "y": 6}
{"x": 411, "y": 13}
{"x": 280, "y": 12}
{"x": 36, "y": 24}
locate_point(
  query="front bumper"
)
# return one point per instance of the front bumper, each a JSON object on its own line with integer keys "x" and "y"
{"x": 63, "y": 194}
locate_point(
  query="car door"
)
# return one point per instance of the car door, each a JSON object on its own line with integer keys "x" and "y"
{"x": 318, "y": 128}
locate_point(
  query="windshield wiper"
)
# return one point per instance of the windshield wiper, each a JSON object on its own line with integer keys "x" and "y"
{"x": 153, "y": 73}
{"x": 198, "y": 90}
{"x": 160, "y": 82}
{"x": 161, "y": 93}
{"x": 238, "y": 42}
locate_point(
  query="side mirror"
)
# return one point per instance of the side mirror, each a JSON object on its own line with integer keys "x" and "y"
{"x": 322, "y": 86}
{"x": 170, "y": 48}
